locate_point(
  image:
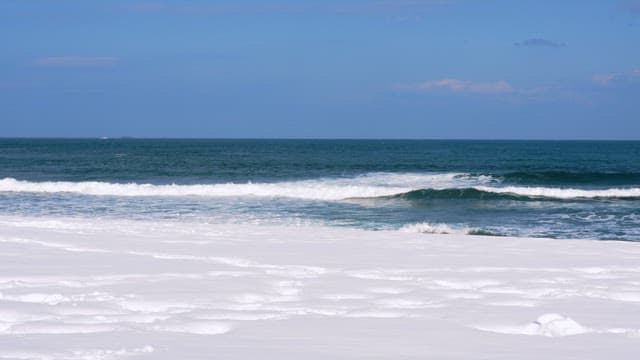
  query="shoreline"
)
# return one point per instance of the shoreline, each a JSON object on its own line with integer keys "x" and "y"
{"x": 159, "y": 290}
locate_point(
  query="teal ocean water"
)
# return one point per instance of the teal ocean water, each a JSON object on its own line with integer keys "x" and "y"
{"x": 562, "y": 189}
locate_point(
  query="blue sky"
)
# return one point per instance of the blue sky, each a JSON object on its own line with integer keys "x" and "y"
{"x": 321, "y": 69}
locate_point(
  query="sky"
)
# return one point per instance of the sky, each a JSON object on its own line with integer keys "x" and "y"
{"x": 431, "y": 69}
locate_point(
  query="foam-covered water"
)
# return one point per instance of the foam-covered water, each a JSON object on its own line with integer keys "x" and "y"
{"x": 550, "y": 189}
{"x": 364, "y": 186}
{"x": 89, "y": 288}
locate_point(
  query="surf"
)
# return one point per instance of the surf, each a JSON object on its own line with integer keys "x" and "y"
{"x": 413, "y": 187}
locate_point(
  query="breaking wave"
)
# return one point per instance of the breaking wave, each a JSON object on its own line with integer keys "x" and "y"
{"x": 517, "y": 193}
{"x": 412, "y": 187}
{"x": 430, "y": 228}
{"x": 439, "y": 228}
{"x": 564, "y": 193}
{"x": 571, "y": 177}
{"x": 364, "y": 186}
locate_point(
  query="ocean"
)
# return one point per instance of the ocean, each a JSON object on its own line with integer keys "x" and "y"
{"x": 556, "y": 189}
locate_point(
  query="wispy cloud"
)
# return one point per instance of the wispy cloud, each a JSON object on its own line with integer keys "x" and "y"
{"x": 538, "y": 42}
{"x": 503, "y": 91}
{"x": 460, "y": 86}
{"x": 604, "y": 79}
{"x": 613, "y": 79}
{"x": 76, "y": 61}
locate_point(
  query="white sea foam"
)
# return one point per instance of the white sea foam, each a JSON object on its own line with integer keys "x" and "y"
{"x": 562, "y": 193}
{"x": 423, "y": 293}
{"x": 84, "y": 354}
{"x": 364, "y": 186}
{"x": 195, "y": 327}
{"x": 369, "y": 185}
{"x": 428, "y": 228}
{"x": 552, "y": 325}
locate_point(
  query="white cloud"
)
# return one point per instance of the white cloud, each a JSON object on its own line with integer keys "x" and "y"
{"x": 538, "y": 42}
{"x": 612, "y": 79}
{"x": 462, "y": 86}
{"x": 603, "y": 79}
{"x": 76, "y": 61}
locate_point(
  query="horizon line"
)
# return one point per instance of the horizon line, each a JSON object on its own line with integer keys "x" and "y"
{"x": 295, "y": 138}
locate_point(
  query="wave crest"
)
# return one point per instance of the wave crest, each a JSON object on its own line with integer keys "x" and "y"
{"x": 517, "y": 193}
{"x": 431, "y": 228}
{"x": 560, "y": 177}
{"x": 299, "y": 190}
{"x": 563, "y": 193}
{"x": 412, "y": 187}
{"x": 441, "y": 228}
{"x": 365, "y": 186}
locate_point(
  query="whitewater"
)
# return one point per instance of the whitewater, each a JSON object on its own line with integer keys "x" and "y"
{"x": 365, "y": 186}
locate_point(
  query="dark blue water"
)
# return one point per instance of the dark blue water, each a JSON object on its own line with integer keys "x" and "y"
{"x": 563, "y": 189}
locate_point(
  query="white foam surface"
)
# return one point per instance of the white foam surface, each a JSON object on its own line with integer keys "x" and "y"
{"x": 364, "y": 186}
{"x": 150, "y": 290}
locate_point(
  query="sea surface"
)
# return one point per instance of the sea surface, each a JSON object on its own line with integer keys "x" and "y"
{"x": 558, "y": 189}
